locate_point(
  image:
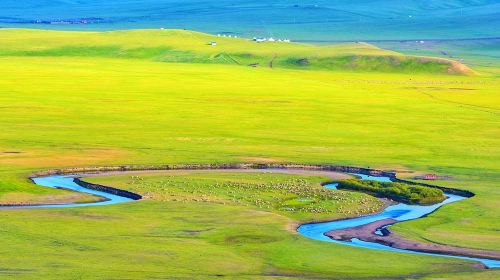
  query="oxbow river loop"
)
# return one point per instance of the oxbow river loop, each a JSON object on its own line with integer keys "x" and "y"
{"x": 400, "y": 212}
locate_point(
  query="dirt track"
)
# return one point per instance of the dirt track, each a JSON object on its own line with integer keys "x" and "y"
{"x": 330, "y": 174}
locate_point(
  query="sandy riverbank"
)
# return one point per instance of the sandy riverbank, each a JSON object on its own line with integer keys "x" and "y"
{"x": 367, "y": 233}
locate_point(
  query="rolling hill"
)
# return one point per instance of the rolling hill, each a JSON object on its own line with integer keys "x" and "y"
{"x": 194, "y": 47}
{"x": 318, "y": 20}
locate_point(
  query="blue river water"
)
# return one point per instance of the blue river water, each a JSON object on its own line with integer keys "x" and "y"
{"x": 399, "y": 212}
{"x": 67, "y": 183}
{"x": 316, "y": 231}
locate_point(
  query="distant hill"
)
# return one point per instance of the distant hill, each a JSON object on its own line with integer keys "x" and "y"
{"x": 317, "y": 20}
{"x": 182, "y": 46}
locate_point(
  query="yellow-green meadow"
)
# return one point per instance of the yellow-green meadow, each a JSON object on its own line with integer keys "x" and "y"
{"x": 77, "y": 99}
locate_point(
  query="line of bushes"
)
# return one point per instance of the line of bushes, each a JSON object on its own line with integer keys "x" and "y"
{"x": 405, "y": 193}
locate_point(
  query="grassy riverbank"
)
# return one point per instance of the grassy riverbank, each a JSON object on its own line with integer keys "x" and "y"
{"x": 191, "y": 221}
{"x": 65, "y": 109}
{"x": 297, "y": 198}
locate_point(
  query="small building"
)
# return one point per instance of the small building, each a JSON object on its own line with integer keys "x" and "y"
{"x": 259, "y": 40}
{"x": 213, "y": 43}
{"x": 430, "y": 177}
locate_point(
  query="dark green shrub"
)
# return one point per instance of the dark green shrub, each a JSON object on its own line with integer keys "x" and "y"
{"x": 411, "y": 194}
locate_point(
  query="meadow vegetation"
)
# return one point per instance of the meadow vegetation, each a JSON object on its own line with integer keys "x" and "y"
{"x": 67, "y": 100}
{"x": 303, "y": 200}
{"x": 319, "y": 21}
{"x": 181, "y": 46}
{"x": 190, "y": 225}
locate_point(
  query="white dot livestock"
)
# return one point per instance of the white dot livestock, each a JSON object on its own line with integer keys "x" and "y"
{"x": 399, "y": 212}
{"x": 328, "y": 231}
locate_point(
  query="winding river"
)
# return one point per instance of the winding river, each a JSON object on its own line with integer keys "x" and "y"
{"x": 66, "y": 182}
{"x": 316, "y": 231}
{"x": 399, "y": 212}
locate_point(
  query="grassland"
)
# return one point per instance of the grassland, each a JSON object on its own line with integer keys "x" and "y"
{"x": 316, "y": 21}
{"x": 182, "y": 46}
{"x": 297, "y": 198}
{"x": 63, "y": 109}
{"x": 182, "y": 230}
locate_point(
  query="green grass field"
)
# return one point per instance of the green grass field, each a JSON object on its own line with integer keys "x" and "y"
{"x": 68, "y": 99}
{"x": 182, "y": 46}
{"x": 181, "y": 235}
{"x": 299, "y": 199}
